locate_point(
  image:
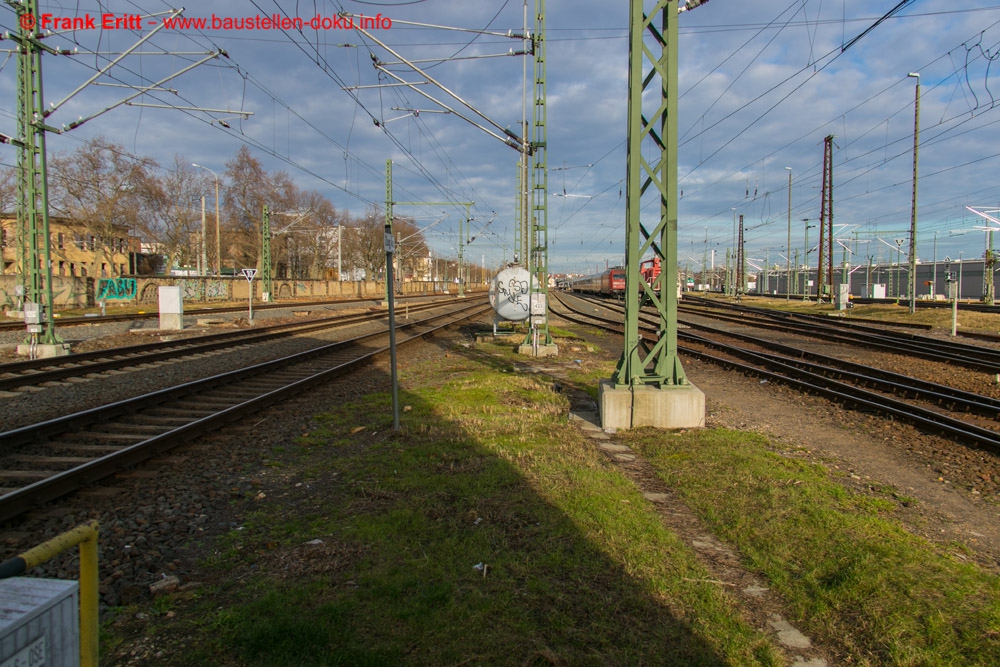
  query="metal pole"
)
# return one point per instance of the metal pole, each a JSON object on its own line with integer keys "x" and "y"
{"x": 934, "y": 280}
{"x": 388, "y": 224}
{"x": 203, "y": 266}
{"x": 732, "y": 283}
{"x": 954, "y": 315}
{"x": 218, "y": 244}
{"x": 389, "y": 250}
{"x": 461, "y": 246}
{"x": 788, "y": 247}
{"x": 913, "y": 213}
{"x": 805, "y": 260}
{"x": 218, "y": 251}
{"x": 960, "y": 274}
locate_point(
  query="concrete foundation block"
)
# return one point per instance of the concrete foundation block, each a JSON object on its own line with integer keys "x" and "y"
{"x": 171, "y": 321}
{"x": 44, "y": 351}
{"x": 550, "y": 350}
{"x": 171, "y": 307}
{"x": 615, "y": 406}
{"x": 681, "y": 406}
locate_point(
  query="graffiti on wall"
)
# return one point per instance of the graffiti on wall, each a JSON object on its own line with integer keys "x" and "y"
{"x": 116, "y": 289}
{"x": 216, "y": 289}
{"x": 66, "y": 292}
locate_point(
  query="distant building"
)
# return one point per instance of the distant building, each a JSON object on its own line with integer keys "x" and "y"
{"x": 75, "y": 251}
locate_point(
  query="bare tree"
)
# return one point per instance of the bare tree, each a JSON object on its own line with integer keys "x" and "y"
{"x": 368, "y": 244}
{"x": 318, "y": 238}
{"x": 172, "y": 223}
{"x": 411, "y": 249}
{"x": 249, "y": 188}
{"x": 104, "y": 188}
{"x": 8, "y": 192}
{"x": 8, "y": 205}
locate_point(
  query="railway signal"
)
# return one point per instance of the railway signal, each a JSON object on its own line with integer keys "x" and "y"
{"x": 249, "y": 275}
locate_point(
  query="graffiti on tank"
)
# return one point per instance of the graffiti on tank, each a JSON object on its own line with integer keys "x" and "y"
{"x": 515, "y": 291}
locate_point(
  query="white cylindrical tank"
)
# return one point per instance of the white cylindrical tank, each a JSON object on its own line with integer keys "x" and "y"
{"x": 509, "y": 294}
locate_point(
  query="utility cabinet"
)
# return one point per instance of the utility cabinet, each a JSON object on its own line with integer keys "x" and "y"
{"x": 39, "y": 623}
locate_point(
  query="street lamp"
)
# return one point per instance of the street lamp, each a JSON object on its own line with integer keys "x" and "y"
{"x": 913, "y": 213}
{"x": 218, "y": 252}
{"x": 788, "y": 252}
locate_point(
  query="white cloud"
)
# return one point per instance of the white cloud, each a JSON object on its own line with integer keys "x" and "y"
{"x": 732, "y": 144}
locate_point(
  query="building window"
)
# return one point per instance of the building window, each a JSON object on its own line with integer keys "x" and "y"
{"x": 61, "y": 241}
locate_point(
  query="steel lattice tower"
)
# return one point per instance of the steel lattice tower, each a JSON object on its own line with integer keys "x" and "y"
{"x": 538, "y": 237}
{"x": 34, "y": 244}
{"x": 265, "y": 254}
{"x": 824, "y": 281}
{"x": 652, "y": 123}
{"x": 741, "y": 263}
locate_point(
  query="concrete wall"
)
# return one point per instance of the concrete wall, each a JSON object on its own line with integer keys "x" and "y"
{"x": 77, "y": 292}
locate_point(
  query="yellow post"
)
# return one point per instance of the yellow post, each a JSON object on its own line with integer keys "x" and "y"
{"x": 86, "y": 537}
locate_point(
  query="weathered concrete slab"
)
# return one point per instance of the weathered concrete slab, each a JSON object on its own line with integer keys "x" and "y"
{"x": 44, "y": 351}
{"x": 550, "y": 350}
{"x": 681, "y": 406}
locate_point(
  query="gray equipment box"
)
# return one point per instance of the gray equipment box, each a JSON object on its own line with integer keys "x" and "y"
{"x": 39, "y": 623}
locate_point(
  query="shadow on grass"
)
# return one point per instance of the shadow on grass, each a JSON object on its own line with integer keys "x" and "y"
{"x": 485, "y": 532}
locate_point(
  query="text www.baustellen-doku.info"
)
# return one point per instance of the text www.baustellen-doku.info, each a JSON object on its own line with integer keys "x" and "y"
{"x": 49, "y": 21}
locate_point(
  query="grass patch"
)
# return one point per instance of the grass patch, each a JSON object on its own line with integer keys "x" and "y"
{"x": 849, "y": 571}
{"x": 489, "y": 532}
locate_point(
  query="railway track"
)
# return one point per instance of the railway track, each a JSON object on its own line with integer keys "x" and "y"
{"x": 61, "y": 322}
{"x": 42, "y": 372}
{"x": 849, "y": 333}
{"x": 47, "y": 460}
{"x": 851, "y": 384}
{"x": 846, "y": 323}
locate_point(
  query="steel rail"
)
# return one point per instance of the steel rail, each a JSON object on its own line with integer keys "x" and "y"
{"x": 850, "y": 324}
{"x": 865, "y": 375}
{"x": 37, "y": 371}
{"x": 892, "y": 382}
{"x": 925, "y": 348}
{"x": 984, "y": 405}
{"x": 12, "y": 325}
{"x": 697, "y": 301}
{"x": 839, "y": 391}
{"x": 59, "y": 484}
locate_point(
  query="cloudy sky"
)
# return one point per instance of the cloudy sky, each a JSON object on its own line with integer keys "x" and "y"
{"x": 762, "y": 83}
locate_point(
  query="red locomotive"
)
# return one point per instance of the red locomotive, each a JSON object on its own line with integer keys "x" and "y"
{"x": 650, "y": 270}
